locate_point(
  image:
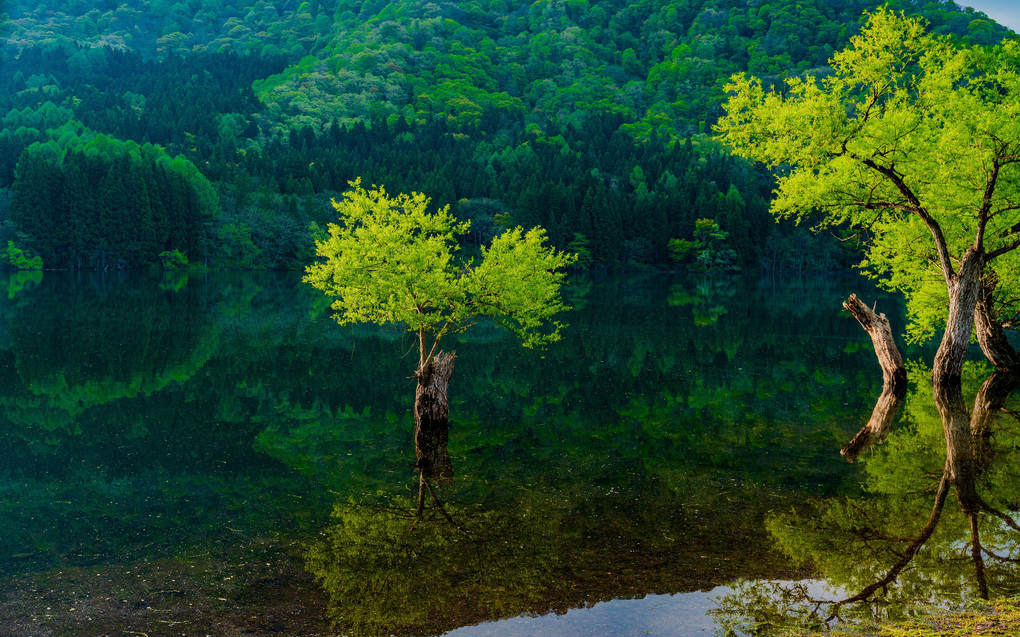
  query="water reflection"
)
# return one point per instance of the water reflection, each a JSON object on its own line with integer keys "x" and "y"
{"x": 895, "y": 549}
{"x": 484, "y": 552}
{"x": 181, "y": 445}
{"x": 389, "y": 570}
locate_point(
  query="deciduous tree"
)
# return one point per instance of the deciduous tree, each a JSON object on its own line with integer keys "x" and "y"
{"x": 916, "y": 141}
{"x": 391, "y": 261}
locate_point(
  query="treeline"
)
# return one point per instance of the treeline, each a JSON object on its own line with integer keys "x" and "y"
{"x": 660, "y": 65}
{"x": 200, "y": 100}
{"x": 594, "y": 188}
{"x": 160, "y": 28}
{"x": 87, "y": 200}
{"x": 589, "y": 118}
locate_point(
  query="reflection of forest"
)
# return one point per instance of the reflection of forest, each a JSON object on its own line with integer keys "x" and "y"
{"x": 567, "y": 496}
{"x": 630, "y": 458}
{"x": 902, "y": 545}
{"x": 491, "y": 555}
{"x": 74, "y": 346}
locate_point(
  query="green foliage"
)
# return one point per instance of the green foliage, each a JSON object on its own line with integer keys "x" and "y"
{"x": 579, "y": 247}
{"x": 174, "y": 260}
{"x": 82, "y": 199}
{"x": 237, "y": 249}
{"x": 708, "y": 251}
{"x": 16, "y": 258}
{"x": 393, "y": 261}
{"x": 877, "y": 146}
{"x": 279, "y": 104}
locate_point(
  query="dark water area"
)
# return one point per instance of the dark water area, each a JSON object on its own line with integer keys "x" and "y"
{"x": 214, "y": 455}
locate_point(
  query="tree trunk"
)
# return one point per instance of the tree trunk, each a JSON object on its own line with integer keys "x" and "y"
{"x": 991, "y": 398}
{"x": 990, "y": 334}
{"x": 431, "y": 419}
{"x": 894, "y": 374}
{"x": 960, "y": 463}
{"x": 964, "y": 288}
{"x": 877, "y": 427}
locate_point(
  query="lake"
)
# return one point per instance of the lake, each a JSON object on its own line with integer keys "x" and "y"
{"x": 213, "y": 455}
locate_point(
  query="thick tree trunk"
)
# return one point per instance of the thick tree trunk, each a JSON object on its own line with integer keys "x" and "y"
{"x": 990, "y": 334}
{"x": 964, "y": 288}
{"x": 960, "y": 463}
{"x": 431, "y": 419}
{"x": 894, "y": 374}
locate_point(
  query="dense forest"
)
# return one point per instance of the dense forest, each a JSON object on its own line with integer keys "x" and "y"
{"x": 215, "y": 132}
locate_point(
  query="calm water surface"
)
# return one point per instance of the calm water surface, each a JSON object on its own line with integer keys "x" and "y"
{"x": 214, "y": 455}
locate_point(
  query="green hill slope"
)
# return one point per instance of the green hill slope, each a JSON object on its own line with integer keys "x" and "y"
{"x": 589, "y": 118}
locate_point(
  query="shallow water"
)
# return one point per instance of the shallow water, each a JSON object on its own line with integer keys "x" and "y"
{"x": 214, "y": 455}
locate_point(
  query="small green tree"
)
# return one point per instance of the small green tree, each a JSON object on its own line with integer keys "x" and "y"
{"x": 237, "y": 248}
{"x": 19, "y": 259}
{"x": 390, "y": 261}
{"x": 708, "y": 251}
{"x": 173, "y": 260}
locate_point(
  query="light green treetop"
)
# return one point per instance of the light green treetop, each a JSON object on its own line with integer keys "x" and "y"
{"x": 912, "y": 139}
{"x": 390, "y": 260}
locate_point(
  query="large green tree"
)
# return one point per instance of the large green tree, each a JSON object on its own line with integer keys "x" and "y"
{"x": 897, "y": 543}
{"x": 391, "y": 261}
{"x": 915, "y": 141}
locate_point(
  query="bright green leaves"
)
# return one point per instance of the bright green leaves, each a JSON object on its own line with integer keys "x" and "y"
{"x": 518, "y": 283}
{"x": 393, "y": 261}
{"x": 18, "y": 259}
{"x": 708, "y": 251}
{"x": 882, "y": 55}
{"x": 912, "y": 139}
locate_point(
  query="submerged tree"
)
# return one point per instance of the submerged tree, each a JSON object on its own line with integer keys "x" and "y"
{"x": 917, "y": 142}
{"x": 392, "y": 261}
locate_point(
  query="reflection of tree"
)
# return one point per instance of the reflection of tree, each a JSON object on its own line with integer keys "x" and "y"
{"x": 388, "y": 570}
{"x": 482, "y": 552}
{"x": 108, "y": 423}
{"x": 75, "y": 347}
{"x": 708, "y": 297}
{"x": 875, "y": 547}
{"x": 877, "y": 427}
{"x": 636, "y": 479}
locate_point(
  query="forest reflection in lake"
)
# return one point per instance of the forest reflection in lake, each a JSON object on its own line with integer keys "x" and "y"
{"x": 215, "y": 454}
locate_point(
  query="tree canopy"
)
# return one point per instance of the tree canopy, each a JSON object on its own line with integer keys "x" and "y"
{"x": 913, "y": 141}
{"x": 583, "y": 116}
{"x": 390, "y": 260}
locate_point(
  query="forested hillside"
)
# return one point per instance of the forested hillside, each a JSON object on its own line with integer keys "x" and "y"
{"x": 220, "y": 129}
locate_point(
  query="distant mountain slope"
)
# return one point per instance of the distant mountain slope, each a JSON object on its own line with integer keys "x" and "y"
{"x": 588, "y": 117}
{"x": 659, "y": 64}
{"x": 160, "y": 27}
